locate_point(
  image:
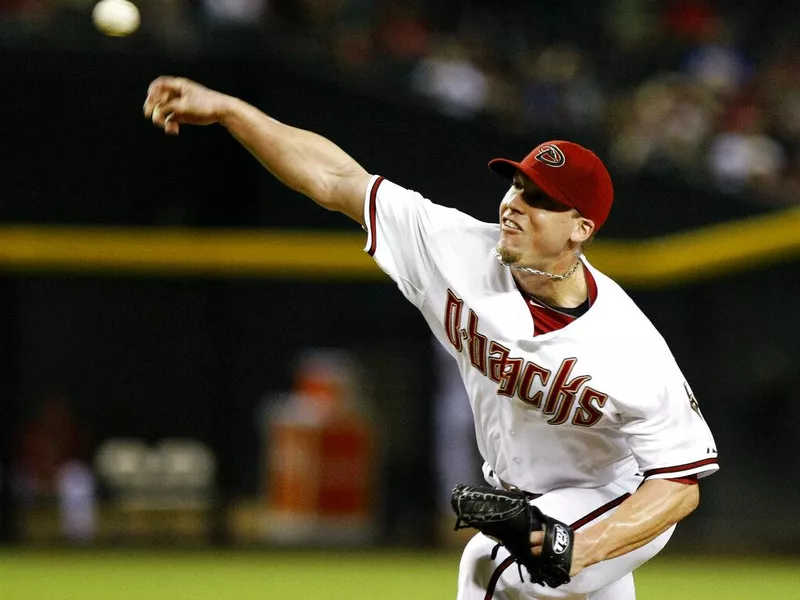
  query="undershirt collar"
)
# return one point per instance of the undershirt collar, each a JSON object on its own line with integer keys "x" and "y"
{"x": 548, "y": 318}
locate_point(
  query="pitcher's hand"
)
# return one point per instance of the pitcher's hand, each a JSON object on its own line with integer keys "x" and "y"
{"x": 172, "y": 101}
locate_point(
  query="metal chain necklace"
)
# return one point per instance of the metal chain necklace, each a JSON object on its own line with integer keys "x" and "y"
{"x": 533, "y": 271}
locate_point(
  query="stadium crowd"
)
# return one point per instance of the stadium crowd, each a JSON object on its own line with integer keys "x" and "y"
{"x": 707, "y": 90}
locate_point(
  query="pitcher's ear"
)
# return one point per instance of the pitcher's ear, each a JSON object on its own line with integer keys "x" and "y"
{"x": 584, "y": 229}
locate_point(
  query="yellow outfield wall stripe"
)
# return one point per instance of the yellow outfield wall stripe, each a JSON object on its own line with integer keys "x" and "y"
{"x": 676, "y": 258}
{"x": 207, "y": 252}
{"x": 701, "y": 253}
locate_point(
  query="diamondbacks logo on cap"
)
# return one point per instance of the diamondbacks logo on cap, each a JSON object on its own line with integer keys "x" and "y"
{"x": 551, "y": 155}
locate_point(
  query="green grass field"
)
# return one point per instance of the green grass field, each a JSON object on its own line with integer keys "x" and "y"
{"x": 257, "y": 575}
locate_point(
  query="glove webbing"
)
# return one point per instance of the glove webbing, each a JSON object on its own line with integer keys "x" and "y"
{"x": 464, "y": 519}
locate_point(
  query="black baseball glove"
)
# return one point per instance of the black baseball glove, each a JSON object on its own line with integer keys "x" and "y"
{"x": 509, "y": 517}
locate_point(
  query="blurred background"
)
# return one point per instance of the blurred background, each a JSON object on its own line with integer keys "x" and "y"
{"x": 192, "y": 356}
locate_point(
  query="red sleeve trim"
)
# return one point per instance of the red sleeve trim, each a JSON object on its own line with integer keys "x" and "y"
{"x": 690, "y": 480}
{"x": 679, "y": 468}
{"x": 373, "y": 215}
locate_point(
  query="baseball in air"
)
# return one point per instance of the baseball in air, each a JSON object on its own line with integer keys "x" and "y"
{"x": 116, "y": 18}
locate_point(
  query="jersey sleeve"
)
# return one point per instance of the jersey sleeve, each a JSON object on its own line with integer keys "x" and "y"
{"x": 667, "y": 432}
{"x": 401, "y": 233}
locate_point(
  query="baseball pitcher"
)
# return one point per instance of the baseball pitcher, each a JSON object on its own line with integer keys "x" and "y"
{"x": 592, "y": 439}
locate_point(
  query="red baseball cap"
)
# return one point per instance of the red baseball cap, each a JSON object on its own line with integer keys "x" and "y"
{"x": 568, "y": 173}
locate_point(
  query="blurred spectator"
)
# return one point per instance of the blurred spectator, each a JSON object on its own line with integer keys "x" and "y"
{"x": 46, "y": 442}
{"x": 743, "y": 156}
{"x": 402, "y": 33}
{"x": 715, "y": 59}
{"x": 664, "y": 126}
{"x": 719, "y": 66}
{"x": 51, "y": 465}
{"x": 559, "y": 91}
{"x": 76, "y": 501}
{"x": 235, "y": 12}
{"x": 450, "y": 78}
{"x": 690, "y": 20}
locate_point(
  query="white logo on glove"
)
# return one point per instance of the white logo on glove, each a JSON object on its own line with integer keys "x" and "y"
{"x": 560, "y": 539}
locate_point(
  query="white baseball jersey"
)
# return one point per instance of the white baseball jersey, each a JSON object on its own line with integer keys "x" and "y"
{"x": 589, "y": 404}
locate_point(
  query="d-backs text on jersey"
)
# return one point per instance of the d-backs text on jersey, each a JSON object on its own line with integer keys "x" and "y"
{"x": 524, "y": 379}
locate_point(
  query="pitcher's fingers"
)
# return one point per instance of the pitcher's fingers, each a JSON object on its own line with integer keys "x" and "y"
{"x": 149, "y": 104}
{"x": 162, "y": 89}
{"x": 171, "y": 126}
{"x": 159, "y": 115}
{"x": 153, "y": 101}
{"x": 163, "y": 85}
{"x": 147, "y": 109}
{"x": 173, "y": 106}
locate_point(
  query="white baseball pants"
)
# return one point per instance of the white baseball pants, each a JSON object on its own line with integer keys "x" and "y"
{"x": 482, "y": 578}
